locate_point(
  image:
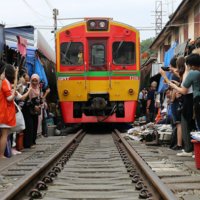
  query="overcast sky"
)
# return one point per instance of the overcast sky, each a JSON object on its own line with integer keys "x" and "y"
{"x": 133, "y": 12}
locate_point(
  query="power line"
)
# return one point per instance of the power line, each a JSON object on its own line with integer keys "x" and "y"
{"x": 50, "y": 6}
{"x": 35, "y": 10}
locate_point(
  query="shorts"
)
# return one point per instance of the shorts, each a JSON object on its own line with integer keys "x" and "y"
{"x": 174, "y": 108}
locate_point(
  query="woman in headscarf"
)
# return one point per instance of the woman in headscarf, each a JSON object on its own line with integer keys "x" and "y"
{"x": 31, "y": 120}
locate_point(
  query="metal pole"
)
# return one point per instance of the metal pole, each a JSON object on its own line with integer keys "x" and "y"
{"x": 55, "y": 13}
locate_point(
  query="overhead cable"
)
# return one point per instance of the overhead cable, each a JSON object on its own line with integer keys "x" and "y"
{"x": 35, "y": 10}
{"x": 50, "y": 6}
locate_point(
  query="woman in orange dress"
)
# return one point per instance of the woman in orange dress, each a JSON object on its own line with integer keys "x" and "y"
{"x": 7, "y": 106}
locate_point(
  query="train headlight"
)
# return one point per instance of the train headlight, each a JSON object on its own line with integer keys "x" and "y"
{"x": 92, "y": 24}
{"x": 130, "y": 91}
{"x": 65, "y": 92}
{"x": 102, "y": 24}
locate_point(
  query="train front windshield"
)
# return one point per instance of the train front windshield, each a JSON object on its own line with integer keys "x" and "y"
{"x": 71, "y": 53}
{"x": 123, "y": 53}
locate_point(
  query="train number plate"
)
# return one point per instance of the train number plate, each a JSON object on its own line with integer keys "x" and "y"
{"x": 63, "y": 78}
{"x": 134, "y": 78}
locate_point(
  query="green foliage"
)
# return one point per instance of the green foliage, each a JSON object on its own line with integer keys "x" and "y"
{"x": 144, "y": 47}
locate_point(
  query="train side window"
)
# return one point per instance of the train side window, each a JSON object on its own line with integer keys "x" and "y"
{"x": 98, "y": 54}
{"x": 71, "y": 53}
{"x": 123, "y": 53}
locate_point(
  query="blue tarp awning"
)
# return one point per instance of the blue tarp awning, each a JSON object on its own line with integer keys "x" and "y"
{"x": 39, "y": 70}
{"x": 168, "y": 56}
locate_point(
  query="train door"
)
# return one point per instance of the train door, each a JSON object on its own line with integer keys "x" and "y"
{"x": 97, "y": 55}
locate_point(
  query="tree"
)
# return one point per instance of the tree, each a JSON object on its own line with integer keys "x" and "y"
{"x": 144, "y": 47}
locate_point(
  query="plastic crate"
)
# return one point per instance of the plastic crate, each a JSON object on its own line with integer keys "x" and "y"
{"x": 197, "y": 153}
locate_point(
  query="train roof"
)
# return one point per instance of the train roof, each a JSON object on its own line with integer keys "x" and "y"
{"x": 98, "y": 18}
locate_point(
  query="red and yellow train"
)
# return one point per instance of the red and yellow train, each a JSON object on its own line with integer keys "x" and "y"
{"x": 98, "y": 71}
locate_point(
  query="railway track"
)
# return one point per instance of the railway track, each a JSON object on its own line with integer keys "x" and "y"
{"x": 91, "y": 166}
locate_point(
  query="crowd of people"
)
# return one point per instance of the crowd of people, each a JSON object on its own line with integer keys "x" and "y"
{"x": 18, "y": 95}
{"x": 181, "y": 105}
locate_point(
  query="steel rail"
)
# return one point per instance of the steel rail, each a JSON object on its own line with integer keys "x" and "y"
{"x": 162, "y": 189}
{"x": 12, "y": 192}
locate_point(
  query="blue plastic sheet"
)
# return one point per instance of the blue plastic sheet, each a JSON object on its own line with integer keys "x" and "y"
{"x": 39, "y": 70}
{"x": 30, "y": 65}
{"x": 168, "y": 56}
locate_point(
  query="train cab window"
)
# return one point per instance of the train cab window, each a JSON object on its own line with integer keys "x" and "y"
{"x": 123, "y": 53}
{"x": 71, "y": 53}
{"x": 98, "y": 54}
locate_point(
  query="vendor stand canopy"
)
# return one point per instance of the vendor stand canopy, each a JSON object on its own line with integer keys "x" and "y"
{"x": 32, "y": 35}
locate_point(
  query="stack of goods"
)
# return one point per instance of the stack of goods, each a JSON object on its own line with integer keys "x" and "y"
{"x": 195, "y": 135}
{"x": 148, "y": 132}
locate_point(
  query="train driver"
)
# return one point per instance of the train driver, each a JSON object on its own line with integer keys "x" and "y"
{"x": 80, "y": 55}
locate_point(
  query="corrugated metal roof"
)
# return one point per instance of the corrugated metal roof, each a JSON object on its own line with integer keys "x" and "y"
{"x": 33, "y": 36}
{"x": 30, "y": 50}
{"x": 167, "y": 26}
{"x": 25, "y": 32}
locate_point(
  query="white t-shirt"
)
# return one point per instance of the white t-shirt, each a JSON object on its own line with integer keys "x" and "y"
{"x": 140, "y": 98}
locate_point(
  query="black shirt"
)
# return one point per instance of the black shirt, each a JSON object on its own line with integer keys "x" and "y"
{"x": 152, "y": 96}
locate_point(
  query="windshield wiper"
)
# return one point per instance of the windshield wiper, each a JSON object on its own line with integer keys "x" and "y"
{"x": 120, "y": 44}
{"x": 66, "y": 57}
{"x": 67, "y": 49}
{"x": 68, "y": 45}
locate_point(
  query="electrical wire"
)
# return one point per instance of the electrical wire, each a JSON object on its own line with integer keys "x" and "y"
{"x": 50, "y": 6}
{"x": 35, "y": 10}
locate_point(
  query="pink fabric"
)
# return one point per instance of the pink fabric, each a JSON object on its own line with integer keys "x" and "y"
{"x": 21, "y": 45}
{"x": 35, "y": 90}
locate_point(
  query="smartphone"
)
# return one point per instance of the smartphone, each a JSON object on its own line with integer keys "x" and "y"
{"x": 166, "y": 69}
{"x": 19, "y": 85}
{"x": 28, "y": 84}
{"x": 4, "y": 70}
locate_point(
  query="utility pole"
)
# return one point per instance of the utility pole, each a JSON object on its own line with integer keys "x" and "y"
{"x": 55, "y": 13}
{"x": 158, "y": 16}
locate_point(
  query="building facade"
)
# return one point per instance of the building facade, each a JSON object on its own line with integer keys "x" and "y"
{"x": 183, "y": 24}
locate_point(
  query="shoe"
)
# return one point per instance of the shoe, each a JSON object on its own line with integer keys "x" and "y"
{"x": 193, "y": 156}
{"x": 15, "y": 152}
{"x": 184, "y": 154}
{"x": 18, "y": 152}
{"x": 177, "y": 148}
{"x": 32, "y": 147}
